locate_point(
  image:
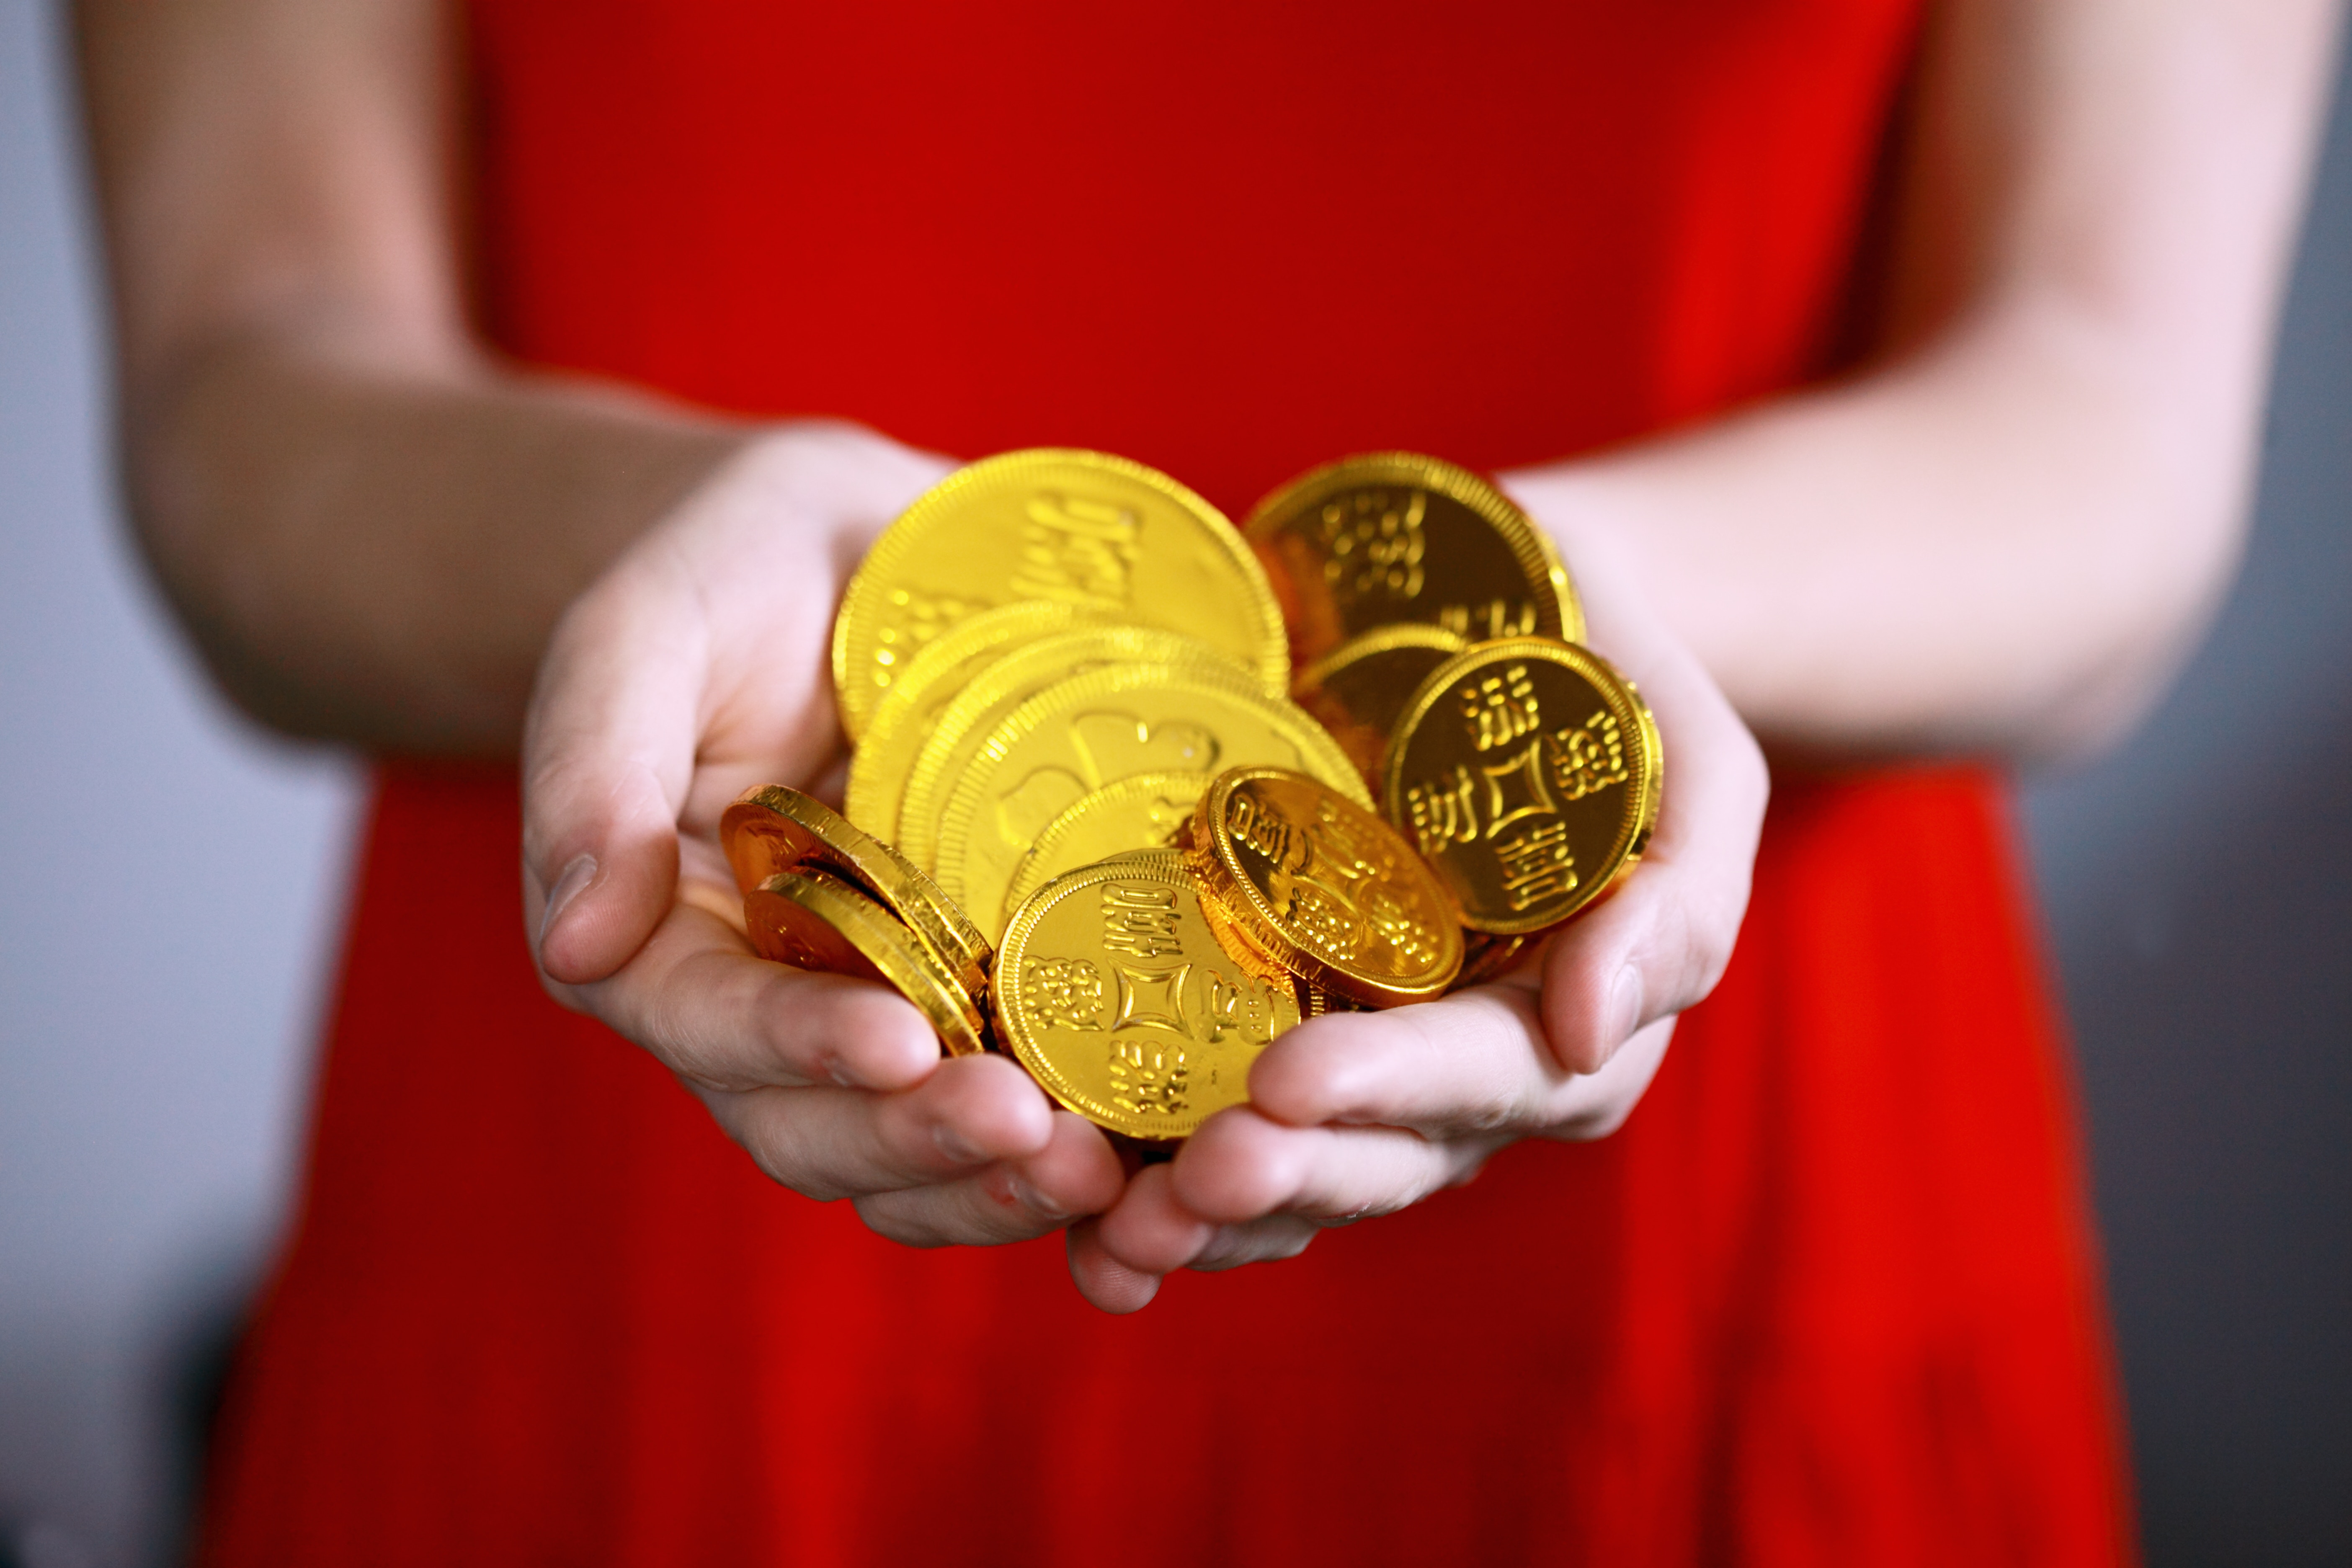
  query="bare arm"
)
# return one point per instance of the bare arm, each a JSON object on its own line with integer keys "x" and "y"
{"x": 380, "y": 534}
{"x": 375, "y": 530}
{"x": 1999, "y": 540}
{"x": 2005, "y": 534}
{"x": 2002, "y": 538}
{"x": 369, "y": 525}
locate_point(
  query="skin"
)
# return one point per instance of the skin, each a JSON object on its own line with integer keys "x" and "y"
{"x": 381, "y": 534}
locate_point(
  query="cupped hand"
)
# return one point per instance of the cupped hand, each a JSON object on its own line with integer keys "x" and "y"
{"x": 695, "y": 668}
{"x": 1359, "y": 1115}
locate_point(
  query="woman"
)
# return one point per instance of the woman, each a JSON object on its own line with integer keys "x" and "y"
{"x": 397, "y": 292}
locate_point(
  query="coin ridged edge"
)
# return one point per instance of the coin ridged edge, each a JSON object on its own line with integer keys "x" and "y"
{"x": 870, "y": 865}
{"x": 1378, "y": 640}
{"x": 1068, "y": 822}
{"x": 938, "y": 662}
{"x": 1537, "y": 555}
{"x": 920, "y": 804}
{"x": 901, "y": 957}
{"x": 1013, "y": 952}
{"x": 1585, "y": 663}
{"x": 1274, "y": 657}
{"x": 955, "y": 815}
{"x": 1211, "y": 854}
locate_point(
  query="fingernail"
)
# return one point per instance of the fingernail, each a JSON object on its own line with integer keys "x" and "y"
{"x": 956, "y": 1146}
{"x": 1037, "y": 1203}
{"x": 1625, "y": 1007}
{"x": 576, "y": 875}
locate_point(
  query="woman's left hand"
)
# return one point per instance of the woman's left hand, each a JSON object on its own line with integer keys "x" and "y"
{"x": 1359, "y": 1115}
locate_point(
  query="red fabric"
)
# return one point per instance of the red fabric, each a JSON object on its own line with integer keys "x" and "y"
{"x": 1829, "y": 1297}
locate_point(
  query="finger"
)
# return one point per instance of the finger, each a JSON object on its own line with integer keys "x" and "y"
{"x": 1242, "y": 1167}
{"x": 1076, "y": 1173}
{"x": 1147, "y": 1231}
{"x": 1150, "y": 1232}
{"x": 769, "y": 712}
{"x": 829, "y": 1142}
{"x": 1660, "y": 944}
{"x": 608, "y": 751}
{"x": 1102, "y": 1280}
{"x": 1472, "y": 1064}
{"x": 700, "y": 1001}
{"x": 1268, "y": 1240}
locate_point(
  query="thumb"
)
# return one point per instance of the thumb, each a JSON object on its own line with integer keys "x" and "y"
{"x": 608, "y": 751}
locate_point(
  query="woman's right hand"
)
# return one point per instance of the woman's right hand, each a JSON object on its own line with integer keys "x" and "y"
{"x": 696, "y": 666}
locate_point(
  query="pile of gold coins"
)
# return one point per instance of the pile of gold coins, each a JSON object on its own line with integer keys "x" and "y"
{"x": 1134, "y": 791}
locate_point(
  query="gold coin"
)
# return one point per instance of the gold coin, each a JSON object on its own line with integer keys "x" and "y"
{"x": 1114, "y": 993}
{"x": 1485, "y": 958}
{"x": 1134, "y": 814}
{"x": 1326, "y": 887}
{"x": 1244, "y": 947}
{"x": 967, "y": 721}
{"x": 1394, "y": 536}
{"x": 810, "y": 918}
{"x": 773, "y": 828}
{"x": 1069, "y": 527}
{"x": 1314, "y": 1003}
{"x": 902, "y": 721}
{"x": 1527, "y": 773}
{"x": 1359, "y": 689}
{"x": 1096, "y": 729}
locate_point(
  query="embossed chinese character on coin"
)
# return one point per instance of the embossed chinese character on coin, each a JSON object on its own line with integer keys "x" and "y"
{"x": 1527, "y": 773}
{"x": 774, "y": 827}
{"x": 1114, "y": 993}
{"x": 812, "y": 920}
{"x": 1394, "y": 536}
{"x": 1326, "y": 887}
{"x": 1069, "y": 527}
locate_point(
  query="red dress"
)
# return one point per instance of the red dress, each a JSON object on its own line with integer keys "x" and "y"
{"x": 1830, "y": 1295}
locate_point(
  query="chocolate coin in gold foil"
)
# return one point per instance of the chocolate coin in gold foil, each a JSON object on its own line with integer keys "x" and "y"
{"x": 1148, "y": 811}
{"x": 774, "y": 827}
{"x": 1485, "y": 958}
{"x": 1113, "y": 992}
{"x": 812, "y": 920}
{"x": 1314, "y": 1003}
{"x": 1327, "y": 887}
{"x": 910, "y": 707}
{"x": 1394, "y": 536}
{"x": 1527, "y": 773}
{"x": 1359, "y": 689}
{"x": 1062, "y": 526}
{"x": 966, "y": 723}
{"x": 1093, "y": 729}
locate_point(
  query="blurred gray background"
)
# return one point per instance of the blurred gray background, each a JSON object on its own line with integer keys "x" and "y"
{"x": 170, "y": 881}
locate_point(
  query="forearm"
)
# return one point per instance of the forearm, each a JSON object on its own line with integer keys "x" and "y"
{"x": 369, "y": 526}
{"x": 374, "y": 551}
{"x": 1990, "y": 550}
{"x": 2003, "y": 536}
